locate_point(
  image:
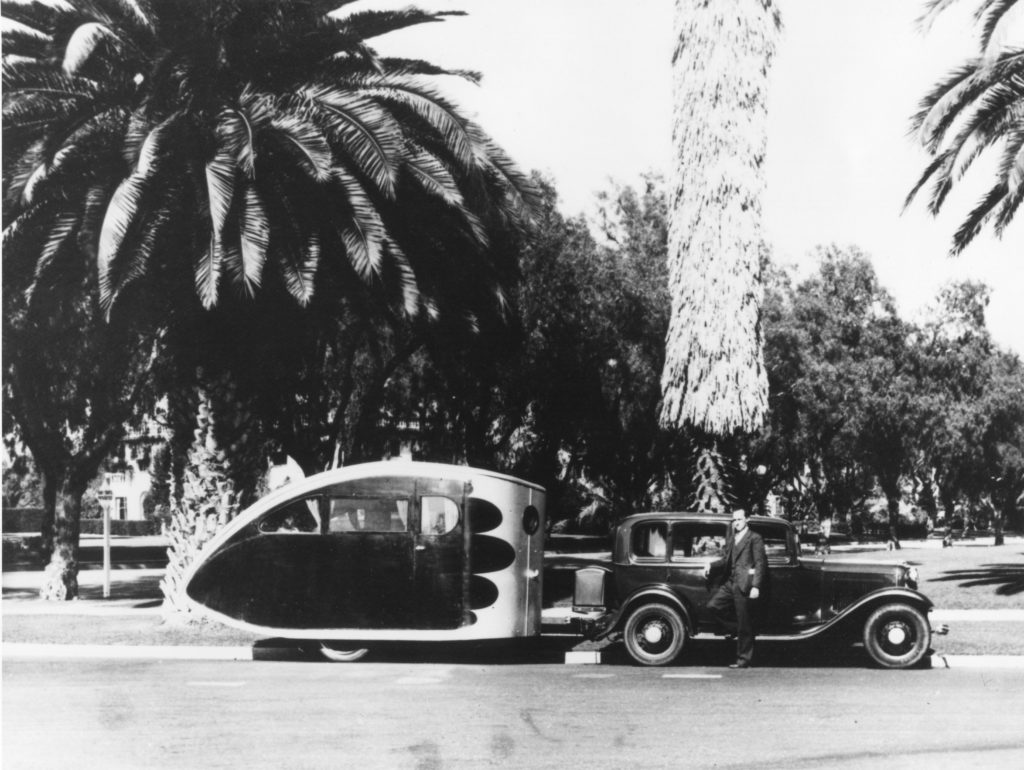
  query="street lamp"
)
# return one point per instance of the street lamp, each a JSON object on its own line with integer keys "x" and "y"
{"x": 106, "y": 498}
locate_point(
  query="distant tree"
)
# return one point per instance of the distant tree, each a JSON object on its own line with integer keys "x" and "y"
{"x": 953, "y": 351}
{"x": 714, "y": 381}
{"x": 975, "y": 111}
{"x": 71, "y": 383}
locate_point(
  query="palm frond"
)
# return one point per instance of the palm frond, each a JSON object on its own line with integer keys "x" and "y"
{"x": 64, "y": 228}
{"x": 991, "y": 13}
{"x": 363, "y": 233}
{"x": 254, "y": 228}
{"x": 35, "y": 15}
{"x": 83, "y": 43}
{"x": 299, "y": 269}
{"x": 121, "y": 212}
{"x": 429, "y": 105}
{"x": 369, "y": 135}
{"x": 434, "y": 177}
{"x": 972, "y": 225}
{"x": 366, "y": 25}
{"x": 207, "y": 273}
{"x": 408, "y": 286}
{"x": 235, "y": 133}
{"x": 308, "y": 144}
{"x": 220, "y": 183}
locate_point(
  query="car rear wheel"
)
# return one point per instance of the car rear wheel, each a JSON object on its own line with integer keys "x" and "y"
{"x": 897, "y": 636}
{"x": 655, "y": 634}
{"x": 342, "y": 653}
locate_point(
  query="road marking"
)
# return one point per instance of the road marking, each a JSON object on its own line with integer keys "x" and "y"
{"x": 691, "y": 676}
{"x": 215, "y": 684}
{"x": 419, "y": 680}
{"x": 593, "y": 676}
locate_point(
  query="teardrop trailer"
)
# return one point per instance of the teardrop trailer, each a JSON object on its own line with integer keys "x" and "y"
{"x": 422, "y": 552}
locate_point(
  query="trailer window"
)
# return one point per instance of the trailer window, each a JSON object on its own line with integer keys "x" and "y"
{"x": 438, "y": 515}
{"x": 698, "y": 540}
{"x": 649, "y": 540}
{"x": 368, "y": 514}
{"x": 298, "y": 517}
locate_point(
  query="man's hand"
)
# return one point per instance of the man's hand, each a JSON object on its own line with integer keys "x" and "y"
{"x": 707, "y": 568}
{"x": 755, "y": 592}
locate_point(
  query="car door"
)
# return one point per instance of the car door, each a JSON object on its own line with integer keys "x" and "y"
{"x": 791, "y": 593}
{"x": 694, "y": 545}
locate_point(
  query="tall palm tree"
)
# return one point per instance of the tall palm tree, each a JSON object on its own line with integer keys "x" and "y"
{"x": 247, "y": 140}
{"x": 714, "y": 380}
{"x": 977, "y": 109}
{"x": 200, "y": 153}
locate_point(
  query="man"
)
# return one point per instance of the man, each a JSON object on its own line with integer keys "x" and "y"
{"x": 746, "y": 570}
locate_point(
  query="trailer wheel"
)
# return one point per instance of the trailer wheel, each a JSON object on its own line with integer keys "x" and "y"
{"x": 897, "y": 636}
{"x": 336, "y": 654}
{"x": 654, "y": 635}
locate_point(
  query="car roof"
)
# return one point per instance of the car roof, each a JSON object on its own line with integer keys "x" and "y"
{"x": 695, "y": 516}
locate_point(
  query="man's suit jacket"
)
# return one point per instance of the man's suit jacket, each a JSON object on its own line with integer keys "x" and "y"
{"x": 746, "y": 563}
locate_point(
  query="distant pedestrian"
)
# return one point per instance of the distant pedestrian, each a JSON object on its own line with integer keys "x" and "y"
{"x": 746, "y": 570}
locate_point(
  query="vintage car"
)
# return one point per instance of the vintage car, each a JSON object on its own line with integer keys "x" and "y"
{"x": 655, "y": 592}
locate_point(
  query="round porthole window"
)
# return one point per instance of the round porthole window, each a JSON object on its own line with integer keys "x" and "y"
{"x": 531, "y": 520}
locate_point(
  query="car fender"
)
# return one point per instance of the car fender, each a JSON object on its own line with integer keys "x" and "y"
{"x": 865, "y": 604}
{"x": 648, "y": 595}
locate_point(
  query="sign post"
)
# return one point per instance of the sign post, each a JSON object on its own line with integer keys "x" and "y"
{"x": 106, "y": 497}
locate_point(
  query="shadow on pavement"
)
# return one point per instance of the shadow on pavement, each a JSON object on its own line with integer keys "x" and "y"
{"x": 551, "y": 651}
{"x": 1008, "y": 578}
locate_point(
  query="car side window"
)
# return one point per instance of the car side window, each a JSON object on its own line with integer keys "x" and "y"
{"x": 698, "y": 540}
{"x": 774, "y": 538}
{"x": 649, "y": 540}
{"x": 297, "y": 517}
{"x": 368, "y": 514}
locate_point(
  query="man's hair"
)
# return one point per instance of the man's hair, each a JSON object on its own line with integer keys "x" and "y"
{"x": 746, "y": 514}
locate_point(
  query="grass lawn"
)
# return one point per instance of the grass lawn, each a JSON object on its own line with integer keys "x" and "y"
{"x": 964, "y": 577}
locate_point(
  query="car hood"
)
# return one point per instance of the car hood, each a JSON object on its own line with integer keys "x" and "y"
{"x": 859, "y": 566}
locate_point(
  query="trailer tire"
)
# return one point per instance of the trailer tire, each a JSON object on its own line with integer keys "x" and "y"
{"x": 336, "y": 654}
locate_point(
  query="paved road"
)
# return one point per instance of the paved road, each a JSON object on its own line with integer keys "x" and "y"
{"x": 406, "y": 714}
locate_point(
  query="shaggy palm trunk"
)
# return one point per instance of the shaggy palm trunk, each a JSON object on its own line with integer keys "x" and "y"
{"x": 714, "y": 378}
{"x": 223, "y": 468}
{"x": 711, "y": 487}
{"x": 60, "y": 578}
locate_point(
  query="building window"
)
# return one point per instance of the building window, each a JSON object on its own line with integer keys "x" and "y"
{"x": 121, "y": 508}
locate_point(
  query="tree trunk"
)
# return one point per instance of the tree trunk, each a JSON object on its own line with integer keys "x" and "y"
{"x": 60, "y": 578}
{"x": 894, "y": 517}
{"x": 47, "y": 530}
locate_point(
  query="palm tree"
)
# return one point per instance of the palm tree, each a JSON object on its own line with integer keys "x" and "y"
{"x": 270, "y": 133}
{"x": 977, "y": 109}
{"x": 714, "y": 380}
{"x": 204, "y": 155}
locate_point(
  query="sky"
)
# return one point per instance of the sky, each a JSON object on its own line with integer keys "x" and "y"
{"x": 580, "y": 89}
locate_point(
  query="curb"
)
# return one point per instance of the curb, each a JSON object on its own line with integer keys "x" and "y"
{"x": 21, "y": 651}
{"x": 25, "y": 651}
{"x": 978, "y": 661}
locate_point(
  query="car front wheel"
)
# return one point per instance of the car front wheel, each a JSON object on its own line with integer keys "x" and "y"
{"x": 333, "y": 652}
{"x": 897, "y": 636}
{"x": 655, "y": 634}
